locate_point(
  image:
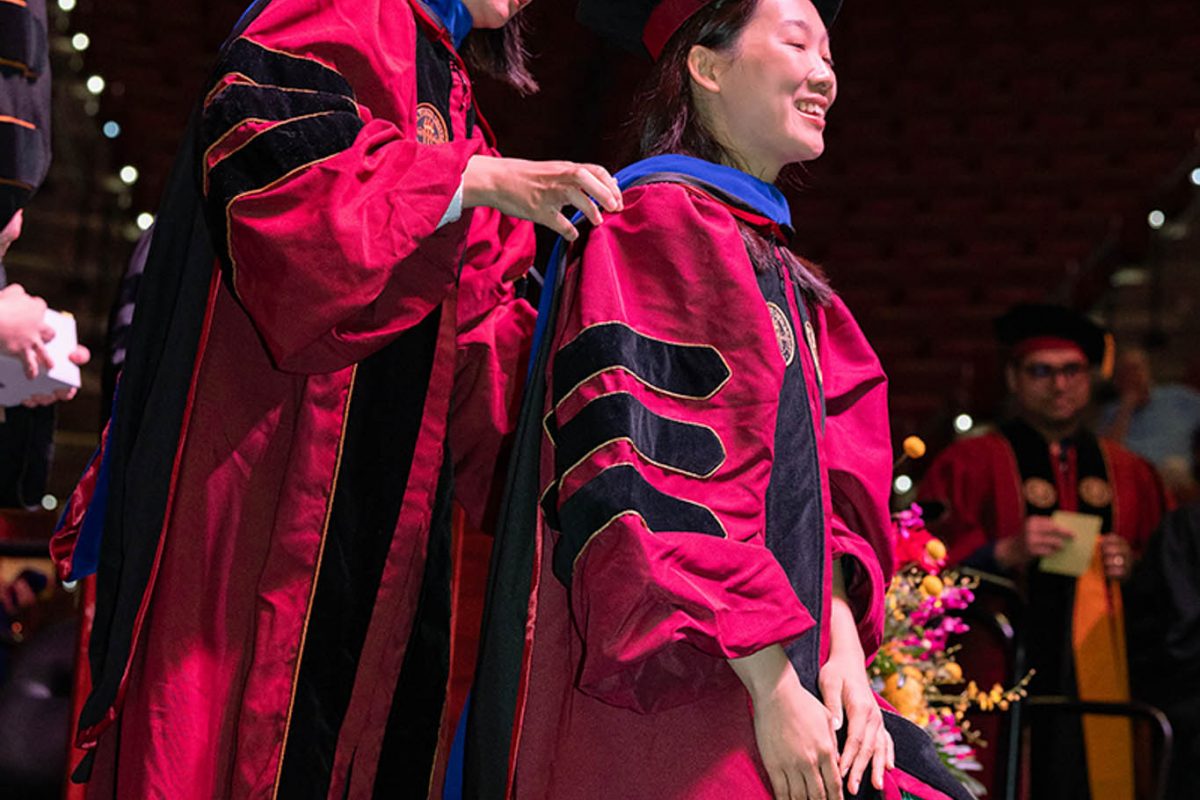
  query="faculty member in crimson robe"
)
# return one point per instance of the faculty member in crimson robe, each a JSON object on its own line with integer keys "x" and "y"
{"x": 996, "y": 494}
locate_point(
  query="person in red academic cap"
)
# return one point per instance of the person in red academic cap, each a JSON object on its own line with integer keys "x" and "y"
{"x": 996, "y": 496}
{"x": 691, "y": 569}
{"x": 326, "y": 341}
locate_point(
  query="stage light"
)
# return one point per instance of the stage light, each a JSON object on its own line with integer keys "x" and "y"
{"x": 66, "y": 5}
{"x": 111, "y": 129}
{"x": 1196, "y": 177}
{"x": 95, "y": 84}
{"x": 81, "y": 42}
{"x": 49, "y": 502}
{"x": 145, "y": 220}
{"x": 1156, "y": 219}
{"x": 128, "y": 175}
{"x": 963, "y": 423}
{"x": 903, "y": 484}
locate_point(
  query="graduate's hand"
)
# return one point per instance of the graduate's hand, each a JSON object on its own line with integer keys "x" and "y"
{"x": 23, "y": 330}
{"x": 1117, "y": 556}
{"x": 539, "y": 190}
{"x": 795, "y": 734}
{"x": 848, "y": 696}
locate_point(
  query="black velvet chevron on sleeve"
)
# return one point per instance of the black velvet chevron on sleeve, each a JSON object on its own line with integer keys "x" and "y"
{"x": 313, "y": 104}
{"x": 678, "y": 370}
{"x": 681, "y": 446}
{"x": 613, "y": 493}
{"x": 23, "y": 41}
{"x": 683, "y": 370}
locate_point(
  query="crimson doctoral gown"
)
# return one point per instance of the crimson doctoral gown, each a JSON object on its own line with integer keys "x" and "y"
{"x": 274, "y": 496}
{"x": 704, "y": 443}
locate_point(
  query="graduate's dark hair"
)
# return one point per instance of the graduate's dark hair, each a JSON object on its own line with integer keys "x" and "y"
{"x": 500, "y": 53}
{"x": 668, "y": 121}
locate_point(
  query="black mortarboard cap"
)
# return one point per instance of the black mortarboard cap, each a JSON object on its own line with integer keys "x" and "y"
{"x": 1036, "y": 325}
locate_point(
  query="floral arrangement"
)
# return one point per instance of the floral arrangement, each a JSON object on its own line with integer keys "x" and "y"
{"x": 915, "y": 669}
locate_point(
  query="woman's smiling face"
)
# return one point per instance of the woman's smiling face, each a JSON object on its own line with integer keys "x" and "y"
{"x": 766, "y": 97}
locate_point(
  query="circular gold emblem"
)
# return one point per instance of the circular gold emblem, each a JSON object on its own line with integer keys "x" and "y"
{"x": 431, "y": 127}
{"x": 1040, "y": 493}
{"x": 783, "y": 333}
{"x": 1096, "y": 492}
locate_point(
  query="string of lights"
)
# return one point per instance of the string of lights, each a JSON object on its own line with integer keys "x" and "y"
{"x": 96, "y": 87}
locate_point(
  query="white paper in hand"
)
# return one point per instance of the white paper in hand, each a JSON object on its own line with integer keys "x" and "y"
{"x": 1076, "y": 555}
{"x": 15, "y": 387}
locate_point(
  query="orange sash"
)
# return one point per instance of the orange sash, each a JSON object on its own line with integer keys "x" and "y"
{"x": 1102, "y": 674}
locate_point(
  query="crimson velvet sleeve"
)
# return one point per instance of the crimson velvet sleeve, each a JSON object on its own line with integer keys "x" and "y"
{"x": 495, "y": 326}
{"x": 858, "y": 456}
{"x": 300, "y": 176}
{"x": 664, "y": 389}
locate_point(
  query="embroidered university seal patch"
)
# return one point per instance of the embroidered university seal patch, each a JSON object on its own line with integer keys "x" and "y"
{"x": 1040, "y": 493}
{"x": 431, "y": 127}
{"x": 1096, "y": 492}
{"x": 783, "y": 333}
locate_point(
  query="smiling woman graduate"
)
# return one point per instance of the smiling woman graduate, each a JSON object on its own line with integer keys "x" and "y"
{"x": 691, "y": 567}
{"x": 270, "y": 513}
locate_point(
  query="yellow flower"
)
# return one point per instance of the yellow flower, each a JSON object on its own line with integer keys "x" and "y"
{"x": 935, "y": 549}
{"x": 932, "y": 586}
{"x": 954, "y": 672}
{"x": 905, "y": 690}
{"x": 914, "y": 447}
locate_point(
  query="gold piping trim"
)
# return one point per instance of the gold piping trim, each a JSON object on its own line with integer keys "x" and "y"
{"x": 316, "y": 61}
{"x": 251, "y": 139}
{"x": 15, "y": 182}
{"x": 14, "y": 120}
{"x": 20, "y": 3}
{"x": 312, "y": 594}
{"x": 638, "y": 450}
{"x": 229, "y": 211}
{"x": 546, "y": 491}
{"x": 17, "y": 65}
{"x": 638, "y": 378}
{"x": 629, "y": 512}
{"x": 221, "y": 87}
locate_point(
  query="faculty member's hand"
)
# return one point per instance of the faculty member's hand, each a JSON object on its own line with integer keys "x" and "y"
{"x": 539, "y": 190}
{"x": 1040, "y": 537}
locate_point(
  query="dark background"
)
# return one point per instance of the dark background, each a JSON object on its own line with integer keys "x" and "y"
{"x": 979, "y": 154}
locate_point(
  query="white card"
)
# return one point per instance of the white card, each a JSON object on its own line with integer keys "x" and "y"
{"x": 15, "y": 387}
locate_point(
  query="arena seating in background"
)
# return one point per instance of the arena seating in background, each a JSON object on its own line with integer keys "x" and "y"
{"x": 977, "y": 156}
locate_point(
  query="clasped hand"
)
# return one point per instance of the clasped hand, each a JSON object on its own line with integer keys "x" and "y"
{"x": 797, "y": 734}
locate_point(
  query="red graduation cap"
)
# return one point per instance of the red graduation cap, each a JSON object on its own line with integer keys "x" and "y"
{"x": 647, "y": 25}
